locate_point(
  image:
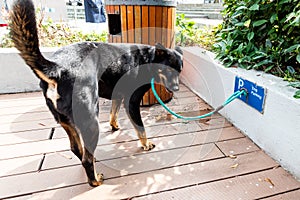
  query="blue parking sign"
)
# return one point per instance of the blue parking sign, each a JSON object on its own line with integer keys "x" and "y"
{"x": 255, "y": 93}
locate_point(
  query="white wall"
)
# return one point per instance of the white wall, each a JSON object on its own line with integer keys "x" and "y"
{"x": 276, "y": 131}
{"x": 15, "y": 75}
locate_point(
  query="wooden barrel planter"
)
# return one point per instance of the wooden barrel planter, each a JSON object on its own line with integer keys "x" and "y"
{"x": 145, "y": 22}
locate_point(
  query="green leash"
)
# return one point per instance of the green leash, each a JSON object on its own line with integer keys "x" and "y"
{"x": 230, "y": 99}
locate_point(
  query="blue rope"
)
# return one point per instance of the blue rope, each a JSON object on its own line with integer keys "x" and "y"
{"x": 229, "y": 100}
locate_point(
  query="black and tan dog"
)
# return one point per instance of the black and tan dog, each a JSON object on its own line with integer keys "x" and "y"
{"x": 76, "y": 76}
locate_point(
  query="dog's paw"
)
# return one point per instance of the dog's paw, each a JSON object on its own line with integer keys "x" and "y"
{"x": 114, "y": 126}
{"x": 98, "y": 182}
{"x": 148, "y": 146}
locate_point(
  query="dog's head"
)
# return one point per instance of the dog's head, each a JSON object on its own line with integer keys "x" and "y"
{"x": 169, "y": 66}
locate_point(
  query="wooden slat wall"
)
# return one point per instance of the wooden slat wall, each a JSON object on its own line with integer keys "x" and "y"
{"x": 137, "y": 24}
{"x": 146, "y": 25}
{"x": 124, "y": 23}
{"x": 151, "y": 24}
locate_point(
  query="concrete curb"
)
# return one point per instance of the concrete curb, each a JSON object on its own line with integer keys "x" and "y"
{"x": 276, "y": 131}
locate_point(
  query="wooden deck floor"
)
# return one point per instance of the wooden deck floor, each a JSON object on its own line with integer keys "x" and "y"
{"x": 206, "y": 159}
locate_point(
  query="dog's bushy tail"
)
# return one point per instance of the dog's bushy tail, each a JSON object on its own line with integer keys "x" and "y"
{"x": 25, "y": 37}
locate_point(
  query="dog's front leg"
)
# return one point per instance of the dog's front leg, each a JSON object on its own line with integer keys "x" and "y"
{"x": 132, "y": 108}
{"x": 115, "y": 107}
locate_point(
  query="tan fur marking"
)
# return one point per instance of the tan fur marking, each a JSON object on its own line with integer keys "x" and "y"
{"x": 146, "y": 144}
{"x": 114, "y": 114}
{"x": 113, "y": 121}
{"x": 73, "y": 136}
{"x": 43, "y": 76}
{"x": 52, "y": 94}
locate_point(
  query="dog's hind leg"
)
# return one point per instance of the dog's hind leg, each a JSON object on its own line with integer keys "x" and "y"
{"x": 89, "y": 129}
{"x": 115, "y": 107}
{"x": 132, "y": 107}
{"x": 75, "y": 142}
{"x": 85, "y": 112}
{"x": 69, "y": 127}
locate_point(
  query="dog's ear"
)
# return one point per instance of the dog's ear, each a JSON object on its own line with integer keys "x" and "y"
{"x": 160, "y": 46}
{"x": 160, "y": 50}
{"x": 179, "y": 50}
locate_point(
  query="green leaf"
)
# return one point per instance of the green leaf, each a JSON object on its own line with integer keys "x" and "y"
{"x": 247, "y": 23}
{"x": 250, "y": 36}
{"x": 284, "y": 1}
{"x": 297, "y": 95}
{"x": 291, "y": 70}
{"x": 298, "y": 58}
{"x": 269, "y": 68}
{"x": 264, "y": 62}
{"x": 240, "y": 24}
{"x": 290, "y": 16}
{"x": 295, "y": 85}
{"x": 241, "y": 8}
{"x": 273, "y": 18}
{"x": 292, "y": 48}
{"x": 268, "y": 43}
{"x": 254, "y": 7}
{"x": 259, "y": 22}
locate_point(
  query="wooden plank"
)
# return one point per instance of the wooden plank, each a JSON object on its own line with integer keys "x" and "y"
{"x": 145, "y": 25}
{"x": 22, "y": 102}
{"x": 128, "y": 186}
{"x": 154, "y": 159}
{"x": 117, "y": 38}
{"x": 25, "y": 117}
{"x": 61, "y": 142}
{"x": 130, "y": 24}
{"x": 158, "y": 90}
{"x": 158, "y": 24}
{"x": 116, "y": 9}
{"x": 146, "y": 99}
{"x": 124, "y": 29}
{"x": 214, "y": 123}
{"x": 173, "y": 24}
{"x": 170, "y": 28}
{"x": 27, "y": 126}
{"x": 24, "y": 137}
{"x": 152, "y": 25}
{"x": 293, "y": 195}
{"x": 178, "y": 144}
{"x": 18, "y": 96}
{"x": 238, "y": 146}
{"x": 165, "y": 27}
{"x": 151, "y": 181}
{"x": 109, "y": 9}
{"x": 137, "y": 24}
{"x": 183, "y": 94}
{"x": 25, "y": 109}
{"x": 19, "y": 165}
{"x": 253, "y": 186}
{"x": 108, "y": 150}
{"x": 34, "y": 148}
{"x": 110, "y": 38}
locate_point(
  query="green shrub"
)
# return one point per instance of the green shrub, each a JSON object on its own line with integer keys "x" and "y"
{"x": 57, "y": 34}
{"x": 261, "y": 35}
{"x": 188, "y": 34}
